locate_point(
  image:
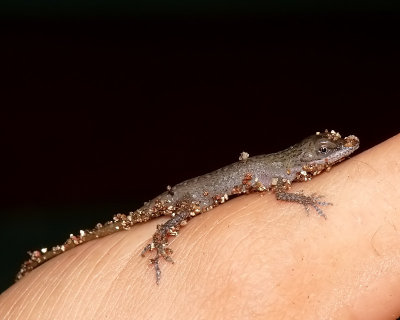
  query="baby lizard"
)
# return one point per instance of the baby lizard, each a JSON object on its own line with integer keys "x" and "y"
{"x": 182, "y": 202}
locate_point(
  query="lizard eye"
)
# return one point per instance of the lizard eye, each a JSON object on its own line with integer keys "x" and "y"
{"x": 323, "y": 149}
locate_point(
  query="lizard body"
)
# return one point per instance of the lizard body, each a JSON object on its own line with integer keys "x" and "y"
{"x": 275, "y": 171}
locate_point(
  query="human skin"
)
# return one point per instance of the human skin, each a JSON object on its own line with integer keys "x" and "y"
{"x": 252, "y": 257}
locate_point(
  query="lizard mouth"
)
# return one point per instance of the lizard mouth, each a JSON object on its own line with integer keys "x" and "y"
{"x": 349, "y": 145}
{"x": 351, "y": 142}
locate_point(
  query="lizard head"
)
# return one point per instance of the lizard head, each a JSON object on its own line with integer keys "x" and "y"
{"x": 322, "y": 150}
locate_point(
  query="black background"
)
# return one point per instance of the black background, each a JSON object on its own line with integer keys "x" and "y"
{"x": 100, "y": 114}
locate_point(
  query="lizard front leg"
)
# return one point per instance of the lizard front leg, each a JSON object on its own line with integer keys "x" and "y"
{"x": 313, "y": 200}
{"x": 160, "y": 240}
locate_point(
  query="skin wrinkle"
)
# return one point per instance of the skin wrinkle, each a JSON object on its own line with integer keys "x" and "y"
{"x": 227, "y": 222}
{"x": 78, "y": 262}
{"x": 34, "y": 295}
{"x": 228, "y": 249}
{"x": 73, "y": 261}
{"x": 381, "y": 189}
{"x": 117, "y": 294}
{"x": 184, "y": 260}
{"x": 80, "y": 267}
{"x": 194, "y": 228}
{"x": 123, "y": 295}
{"x": 25, "y": 292}
{"x": 60, "y": 292}
{"x": 74, "y": 293}
{"x": 91, "y": 274}
{"x": 382, "y": 182}
{"x": 112, "y": 251}
{"x": 40, "y": 295}
{"x": 211, "y": 267}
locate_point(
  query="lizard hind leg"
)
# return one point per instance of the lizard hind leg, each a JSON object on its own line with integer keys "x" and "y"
{"x": 160, "y": 241}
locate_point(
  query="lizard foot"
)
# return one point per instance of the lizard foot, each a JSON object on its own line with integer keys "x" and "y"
{"x": 162, "y": 251}
{"x": 313, "y": 201}
{"x": 160, "y": 242}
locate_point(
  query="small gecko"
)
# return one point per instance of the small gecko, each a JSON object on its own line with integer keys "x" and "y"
{"x": 272, "y": 172}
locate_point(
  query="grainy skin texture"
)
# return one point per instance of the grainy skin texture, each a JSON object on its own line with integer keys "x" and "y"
{"x": 187, "y": 199}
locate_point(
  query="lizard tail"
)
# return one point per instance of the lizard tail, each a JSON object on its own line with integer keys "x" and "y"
{"x": 120, "y": 222}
